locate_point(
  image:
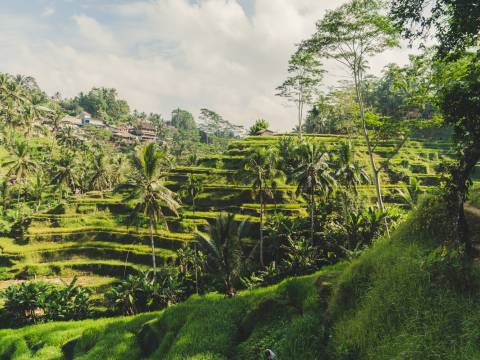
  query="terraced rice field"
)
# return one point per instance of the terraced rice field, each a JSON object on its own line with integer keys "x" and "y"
{"x": 90, "y": 237}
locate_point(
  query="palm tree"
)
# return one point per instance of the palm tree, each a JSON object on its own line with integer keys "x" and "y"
{"x": 67, "y": 138}
{"x": 65, "y": 173}
{"x": 38, "y": 188}
{"x": 350, "y": 172}
{"x": 101, "y": 173}
{"x": 223, "y": 246}
{"x": 20, "y": 165}
{"x": 261, "y": 168}
{"x": 192, "y": 188}
{"x": 146, "y": 189}
{"x": 313, "y": 175}
{"x": 411, "y": 194}
{"x": 55, "y": 121}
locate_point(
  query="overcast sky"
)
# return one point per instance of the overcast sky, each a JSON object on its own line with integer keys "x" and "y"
{"x": 225, "y": 55}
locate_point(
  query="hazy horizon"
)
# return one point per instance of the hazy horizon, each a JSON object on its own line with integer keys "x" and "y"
{"x": 225, "y": 55}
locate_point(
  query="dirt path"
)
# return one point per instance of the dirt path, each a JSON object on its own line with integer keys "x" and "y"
{"x": 82, "y": 280}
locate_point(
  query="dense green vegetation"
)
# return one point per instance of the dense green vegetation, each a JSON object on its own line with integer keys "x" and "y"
{"x": 354, "y": 237}
{"x": 346, "y": 311}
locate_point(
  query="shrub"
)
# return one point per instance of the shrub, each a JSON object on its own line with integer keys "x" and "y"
{"x": 260, "y": 124}
{"x": 296, "y": 292}
{"x": 71, "y": 302}
{"x": 139, "y": 293}
{"x": 36, "y": 301}
{"x": 301, "y": 256}
{"x": 24, "y": 301}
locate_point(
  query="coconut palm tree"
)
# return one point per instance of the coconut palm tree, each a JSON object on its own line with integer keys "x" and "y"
{"x": 192, "y": 188}
{"x": 20, "y": 164}
{"x": 66, "y": 173}
{"x": 39, "y": 187}
{"x": 313, "y": 175}
{"x": 67, "y": 138}
{"x": 264, "y": 176}
{"x": 54, "y": 120}
{"x": 223, "y": 246}
{"x": 350, "y": 172}
{"x": 411, "y": 194}
{"x": 145, "y": 188}
{"x": 101, "y": 177}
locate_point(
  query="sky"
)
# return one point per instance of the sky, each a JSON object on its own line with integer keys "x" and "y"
{"x": 225, "y": 55}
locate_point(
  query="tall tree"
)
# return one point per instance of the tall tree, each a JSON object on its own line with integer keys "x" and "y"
{"x": 457, "y": 26}
{"x": 314, "y": 175}
{"x": 183, "y": 120}
{"x": 101, "y": 176}
{"x": 460, "y": 105}
{"x": 214, "y": 127}
{"x": 350, "y": 173}
{"x": 65, "y": 173}
{"x": 192, "y": 188}
{"x": 301, "y": 86}
{"x": 350, "y": 35}
{"x": 262, "y": 169}
{"x": 223, "y": 245}
{"x": 20, "y": 165}
{"x": 260, "y": 124}
{"x": 456, "y": 23}
{"x": 146, "y": 189}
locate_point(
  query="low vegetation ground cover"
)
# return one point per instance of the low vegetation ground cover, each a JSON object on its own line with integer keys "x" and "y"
{"x": 402, "y": 298}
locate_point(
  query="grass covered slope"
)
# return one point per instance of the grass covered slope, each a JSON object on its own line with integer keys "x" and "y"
{"x": 406, "y": 298}
{"x": 287, "y": 317}
{"x": 89, "y": 236}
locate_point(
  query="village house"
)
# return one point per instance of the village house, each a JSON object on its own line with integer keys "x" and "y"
{"x": 264, "y": 132}
{"x": 87, "y": 120}
{"x": 145, "y": 131}
{"x": 121, "y": 134}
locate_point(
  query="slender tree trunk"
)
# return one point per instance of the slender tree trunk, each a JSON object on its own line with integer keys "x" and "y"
{"x": 376, "y": 175}
{"x": 312, "y": 215}
{"x": 457, "y": 195}
{"x": 195, "y": 250}
{"x": 261, "y": 227}
{"x": 18, "y": 202}
{"x": 154, "y": 264}
{"x": 196, "y": 265}
{"x": 300, "y": 114}
{"x": 375, "y": 170}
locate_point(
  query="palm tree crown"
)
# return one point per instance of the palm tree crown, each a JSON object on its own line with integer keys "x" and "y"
{"x": 264, "y": 174}
{"x": 223, "y": 245}
{"x": 313, "y": 175}
{"x": 21, "y": 163}
{"x": 145, "y": 188}
{"x": 350, "y": 172}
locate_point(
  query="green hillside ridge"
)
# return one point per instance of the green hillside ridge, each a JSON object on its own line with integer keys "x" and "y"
{"x": 90, "y": 236}
{"x": 405, "y": 298}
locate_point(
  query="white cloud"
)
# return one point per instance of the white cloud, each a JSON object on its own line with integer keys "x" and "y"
{"x": 48, "y": 11}
{"x": 170, "y": 53}
{"x": 95, "y": 33}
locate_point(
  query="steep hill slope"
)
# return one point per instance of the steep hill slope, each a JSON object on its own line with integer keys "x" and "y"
{"x": 406, "y": 298}
{"x": 89, "y": 236}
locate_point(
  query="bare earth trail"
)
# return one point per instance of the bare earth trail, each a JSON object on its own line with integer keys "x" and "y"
{"x": 81, "y": 280}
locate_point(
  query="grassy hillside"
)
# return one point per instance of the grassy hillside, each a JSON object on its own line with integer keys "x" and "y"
{"x": 406, "y": 298}
{"x": 89, "y": 236}
{"x": 287, "y": 317}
